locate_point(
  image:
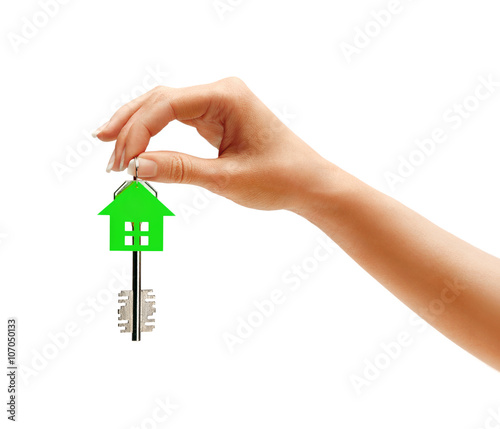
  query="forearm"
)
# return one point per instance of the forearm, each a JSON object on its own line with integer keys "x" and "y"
{"x": 448, "y": 282}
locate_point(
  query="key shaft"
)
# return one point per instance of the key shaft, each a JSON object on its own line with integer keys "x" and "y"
{"x": 136, "y": 295}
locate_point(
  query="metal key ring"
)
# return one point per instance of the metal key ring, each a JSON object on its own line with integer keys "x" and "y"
{"x": 136, "y": 162}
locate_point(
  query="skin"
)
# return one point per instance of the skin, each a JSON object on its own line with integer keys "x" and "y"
{"x": 262, "y": 164}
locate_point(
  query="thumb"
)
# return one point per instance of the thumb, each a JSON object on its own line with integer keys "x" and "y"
{"x": 175, "y": 167}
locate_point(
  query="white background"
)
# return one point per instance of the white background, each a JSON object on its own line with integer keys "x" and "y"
{"x": 295, "y": 370}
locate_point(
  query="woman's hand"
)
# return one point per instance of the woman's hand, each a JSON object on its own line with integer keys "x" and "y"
{"x": 262, "y": 164}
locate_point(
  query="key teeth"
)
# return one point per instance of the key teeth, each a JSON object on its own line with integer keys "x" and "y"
{"x": 148, "y": 309}
{"x": 125, "y": 311}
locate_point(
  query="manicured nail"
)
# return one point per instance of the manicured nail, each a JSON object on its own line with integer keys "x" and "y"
{"x": 111, "y": 162}
{"x": 96, "y": 132}
{"x": 146, "y": 168}
{"x": 122, "y": 160}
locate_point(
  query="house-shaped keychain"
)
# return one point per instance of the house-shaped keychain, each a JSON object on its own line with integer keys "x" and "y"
{"x": 136, "y": 224}
{"x": 136, "y": 218}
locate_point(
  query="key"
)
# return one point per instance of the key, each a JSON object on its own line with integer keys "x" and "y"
{"x": 140, "y": 320}
{"x": 136, "y": 224}
{"x": 135, "y": 312}
{"x": 137, "y": 308}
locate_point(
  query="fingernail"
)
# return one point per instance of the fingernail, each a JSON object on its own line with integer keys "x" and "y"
{"x": 146, "y": 167}
{"x": 111, "y": 162}
{"x": 96, "y": 132}
{"x": 122, "y": 160}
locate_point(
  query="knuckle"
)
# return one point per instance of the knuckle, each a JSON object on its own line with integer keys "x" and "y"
{"x": 179, "y": 169}
{"x": 160, "y": 89}
{"x": 160, "y": 93}
{"x": 233, "y": 87}
{"x": 233, "y": 81}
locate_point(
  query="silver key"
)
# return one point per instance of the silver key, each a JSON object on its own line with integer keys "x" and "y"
{"x": 137, "y": 307}
{"x": 125, "y": 311}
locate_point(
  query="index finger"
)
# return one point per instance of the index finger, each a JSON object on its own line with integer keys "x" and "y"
{"x": 161, "y": 106}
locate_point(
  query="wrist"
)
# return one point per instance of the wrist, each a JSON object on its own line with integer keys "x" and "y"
{"x": 320, "y": 192}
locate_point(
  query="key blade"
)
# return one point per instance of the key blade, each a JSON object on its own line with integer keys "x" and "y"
{"x": 125, "y": 312}
{"x": 148, "y": 309}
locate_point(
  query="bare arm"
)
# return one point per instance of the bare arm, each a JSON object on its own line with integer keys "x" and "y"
{"x": 264, "y": 165}
{"x": 448, "y": 282}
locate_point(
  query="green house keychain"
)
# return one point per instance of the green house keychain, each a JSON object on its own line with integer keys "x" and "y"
{"x": 136, "y": 225}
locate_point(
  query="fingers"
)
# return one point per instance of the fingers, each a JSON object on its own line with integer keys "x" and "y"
{"x": 176, "y": 167}
{"x": 134, "y": 124}
{"x": 110, "y": 130}
{"x": 154, "y": 114}
{"x": 132, "y": 140}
